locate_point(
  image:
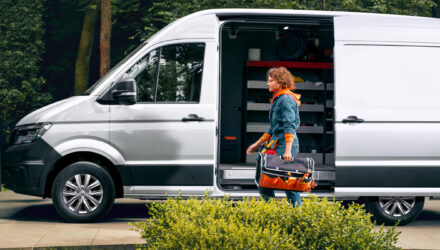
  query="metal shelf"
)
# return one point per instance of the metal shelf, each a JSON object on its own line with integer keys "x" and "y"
{"x": 251, "y": 106}
{"x": 253, "y": 84}
{"x": 262, "y": 127}
{"x": 258, "y": 106}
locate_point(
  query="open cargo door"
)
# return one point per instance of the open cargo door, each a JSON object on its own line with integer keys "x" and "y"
{"x": 387, "y": 118}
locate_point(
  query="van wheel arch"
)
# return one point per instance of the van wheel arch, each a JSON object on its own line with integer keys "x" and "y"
{"x": 100, "y": 160}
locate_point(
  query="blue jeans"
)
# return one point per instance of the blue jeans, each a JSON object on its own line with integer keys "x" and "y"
{"x": 292, "y": 196}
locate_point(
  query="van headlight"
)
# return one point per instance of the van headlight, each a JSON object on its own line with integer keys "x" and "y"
{"x": 29, "y": 133}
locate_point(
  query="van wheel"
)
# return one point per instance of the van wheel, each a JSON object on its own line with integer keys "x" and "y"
{"x": 83, "y": 192}
{"x": 390, "y": 210}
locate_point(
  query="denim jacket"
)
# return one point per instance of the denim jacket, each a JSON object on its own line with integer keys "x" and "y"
{"x": 284, "y": 118}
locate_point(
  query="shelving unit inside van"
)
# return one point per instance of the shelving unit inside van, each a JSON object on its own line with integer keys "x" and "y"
{"x": 245, "y": 99}
{"x": 315, "y": 111}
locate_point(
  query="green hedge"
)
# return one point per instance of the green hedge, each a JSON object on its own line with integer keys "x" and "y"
{"x": 255, "y": 224}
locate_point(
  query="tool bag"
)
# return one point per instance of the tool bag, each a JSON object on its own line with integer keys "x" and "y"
{"x": 297, "y": 175}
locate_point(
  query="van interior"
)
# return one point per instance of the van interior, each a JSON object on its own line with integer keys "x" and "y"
{"x": 248, "y": 49}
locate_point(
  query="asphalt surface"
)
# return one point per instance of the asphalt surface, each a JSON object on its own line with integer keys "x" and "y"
{"x": 29, "y": 222}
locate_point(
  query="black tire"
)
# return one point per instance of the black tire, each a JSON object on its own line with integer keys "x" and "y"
{"x": 83, "y": 192}
{"x": 390, "y": 210}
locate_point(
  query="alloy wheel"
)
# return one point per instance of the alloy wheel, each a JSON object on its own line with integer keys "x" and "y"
{"x": 82, "y": 193}
{"x": 397, "y": 206}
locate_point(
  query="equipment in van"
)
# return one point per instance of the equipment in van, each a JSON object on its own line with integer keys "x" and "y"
{"x": 254, "y": 54}
{"x": 297, "y": 175}
{"x": 297, "y": 39}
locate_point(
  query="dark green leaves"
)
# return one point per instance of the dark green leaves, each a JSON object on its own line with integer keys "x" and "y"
{"x": 21, "y": 48}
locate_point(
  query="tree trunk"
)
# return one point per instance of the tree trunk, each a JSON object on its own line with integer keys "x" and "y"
{"x": 104, "y": 44}
{"x": 436, "y": 9}
{"x": 82, "y": 66}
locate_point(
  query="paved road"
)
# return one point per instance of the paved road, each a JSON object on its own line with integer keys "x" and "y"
{"x": 424, "y": 232}
{"x": 27, "y": 222}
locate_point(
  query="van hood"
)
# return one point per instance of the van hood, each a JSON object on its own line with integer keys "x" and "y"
{"x": 49, "y": 113}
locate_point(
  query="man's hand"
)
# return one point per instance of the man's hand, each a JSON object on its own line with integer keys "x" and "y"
{"x": 287, "y": 156}
{"x": 252, "y": 148}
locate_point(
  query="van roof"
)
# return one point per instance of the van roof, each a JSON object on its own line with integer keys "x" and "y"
{"x": 288, "y": 12}
{"x": 204, "y": 25}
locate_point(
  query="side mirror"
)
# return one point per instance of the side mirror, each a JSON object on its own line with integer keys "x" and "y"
{"x": 124, "y": 91}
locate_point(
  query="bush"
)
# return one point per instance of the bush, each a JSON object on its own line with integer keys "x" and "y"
{"x": 255, "y": 224}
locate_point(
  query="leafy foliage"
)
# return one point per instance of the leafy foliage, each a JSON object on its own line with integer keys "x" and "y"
{"x": 21, "y": 47}
{"x": 129, "y": 18}
{"x": 255, "y": 224}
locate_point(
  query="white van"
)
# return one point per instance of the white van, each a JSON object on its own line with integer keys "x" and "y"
{"x": 177, "y": 114}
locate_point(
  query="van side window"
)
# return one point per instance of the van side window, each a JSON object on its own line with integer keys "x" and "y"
{"x": 144, "y": 72}
{"x": 180, "y": 73}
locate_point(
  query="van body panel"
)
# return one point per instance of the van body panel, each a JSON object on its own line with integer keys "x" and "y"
{"x": 158, "y": 133}
{"x": 161, "y": 192}
{"x": 419, "y": 176}
{"x": 386, "y": 75}
{"x": 75, "y": 108}
{"x": 386, "y": 28}
{"x": 378, "y": 144}
{"x": 35, "y": 116}
{"x": 172, "y": 175}
{"x": 91, "y": 145}
{"x": 375, "y": 83}
{"x": 386, "y": 191}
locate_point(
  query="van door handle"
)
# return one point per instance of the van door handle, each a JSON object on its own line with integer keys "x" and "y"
{"x": 352, "y": 119}
{"x": 193, "y": 117}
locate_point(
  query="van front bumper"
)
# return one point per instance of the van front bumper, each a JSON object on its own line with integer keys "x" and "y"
{"x": 24, "y": 167}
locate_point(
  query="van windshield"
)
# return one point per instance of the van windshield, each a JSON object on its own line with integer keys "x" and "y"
{"x": 104, "y": 78}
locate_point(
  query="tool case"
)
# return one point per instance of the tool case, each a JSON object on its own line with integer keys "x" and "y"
{"x": 297, "y": 175}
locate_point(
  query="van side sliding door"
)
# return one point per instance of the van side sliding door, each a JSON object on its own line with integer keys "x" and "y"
{"x": 387, "y": 109}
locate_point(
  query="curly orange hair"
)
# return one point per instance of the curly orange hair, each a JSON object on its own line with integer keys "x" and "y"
{"x": 283, "y": 77}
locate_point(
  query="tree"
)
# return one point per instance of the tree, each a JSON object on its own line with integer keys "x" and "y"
{"x": 82, "y": 66}
{"x": 63, "y": 21}
{"x": 21, "y": 48}
{"x": 104, "y": 44}
{"x": 436, "y": 9}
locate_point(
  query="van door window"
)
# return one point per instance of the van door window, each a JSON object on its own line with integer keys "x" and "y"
{"x": 144, "y": 72}
{"x": 180, "y": 73}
